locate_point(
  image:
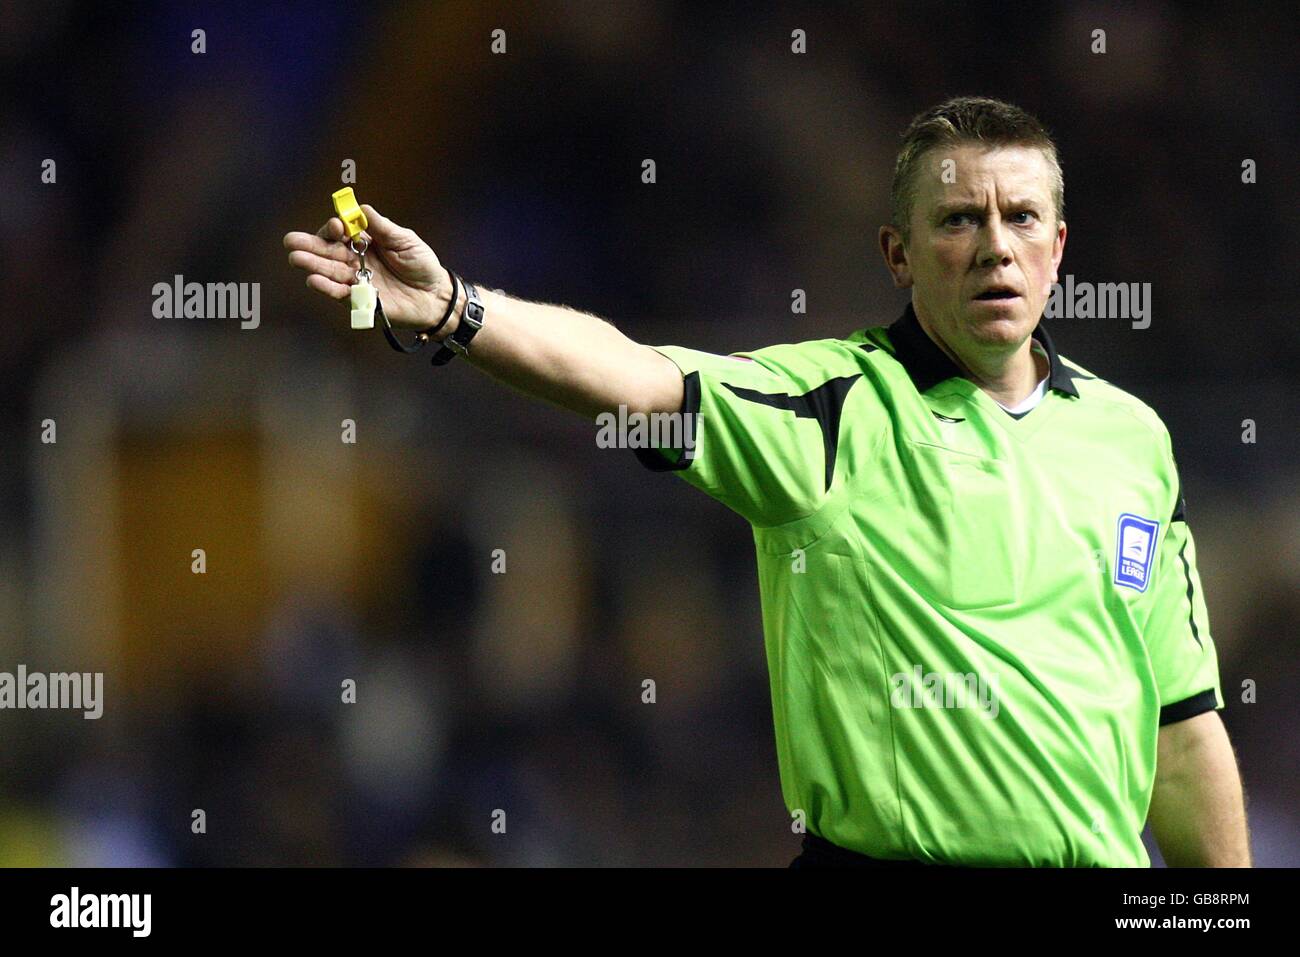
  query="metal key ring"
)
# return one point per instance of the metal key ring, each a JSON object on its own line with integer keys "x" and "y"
{"x": 365, "y": 244}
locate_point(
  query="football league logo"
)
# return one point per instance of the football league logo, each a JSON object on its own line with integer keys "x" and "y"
{"x": 1135, "y": 547}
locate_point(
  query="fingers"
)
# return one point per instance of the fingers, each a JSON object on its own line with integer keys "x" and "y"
{"x": 323, "y": 266}
{"x": 335, "y": 290}
{"x": 333, "y": 229}
{"x": 315, "y": 244}
{"x": 326, "y": 258}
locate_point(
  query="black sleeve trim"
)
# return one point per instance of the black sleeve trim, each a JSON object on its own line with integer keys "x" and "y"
{"x": 1180, "y": 507}
{"x": 656, "y": 461}
{"x": 1188, "y": 708}
{"x": 1191, "y": 604}
{"x": 823, "y": 403}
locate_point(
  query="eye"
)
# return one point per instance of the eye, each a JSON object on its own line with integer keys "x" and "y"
{"x": 956, "y": 219}
{"x": 1024, "y": 217}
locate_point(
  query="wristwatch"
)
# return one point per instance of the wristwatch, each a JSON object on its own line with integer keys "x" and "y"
{"x": 471, "y": 321}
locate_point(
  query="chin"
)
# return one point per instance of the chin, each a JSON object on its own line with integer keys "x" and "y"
{"x": 1000, "y": 329}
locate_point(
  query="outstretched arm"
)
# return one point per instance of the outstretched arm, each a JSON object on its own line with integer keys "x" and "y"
{"x": 569, "y": 358}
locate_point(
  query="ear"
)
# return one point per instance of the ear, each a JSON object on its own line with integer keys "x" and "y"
{"x": 894, "y": 251}
{"x": 1058, "y": 248}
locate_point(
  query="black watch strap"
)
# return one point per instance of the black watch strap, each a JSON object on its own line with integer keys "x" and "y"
{"x": 471, "y": 321}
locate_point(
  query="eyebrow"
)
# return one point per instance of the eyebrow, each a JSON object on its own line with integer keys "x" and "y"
{"x": 962, "y": 206}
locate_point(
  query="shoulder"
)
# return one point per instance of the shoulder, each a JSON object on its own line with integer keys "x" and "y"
{"x": 811, "y": 362}
{"x": 1110, "y": 400}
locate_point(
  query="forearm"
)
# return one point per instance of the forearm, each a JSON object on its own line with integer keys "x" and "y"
{"x": 1197, "y": 810}
{"x": 570, "y": 358}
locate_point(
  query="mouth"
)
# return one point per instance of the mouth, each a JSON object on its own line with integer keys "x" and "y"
{"x": 997, "y": 293}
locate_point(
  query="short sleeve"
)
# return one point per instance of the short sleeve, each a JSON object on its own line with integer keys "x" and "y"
{"x": 1177, "y": 629}
{"x": 762, "y": 439}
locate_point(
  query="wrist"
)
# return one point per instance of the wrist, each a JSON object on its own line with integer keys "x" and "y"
{"x": 458, "y": 314}
{"x": 469, "y": 314}
{"x": 442, "y": 300}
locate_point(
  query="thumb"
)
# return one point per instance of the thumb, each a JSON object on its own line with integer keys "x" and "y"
{"x": 386, "y": 232}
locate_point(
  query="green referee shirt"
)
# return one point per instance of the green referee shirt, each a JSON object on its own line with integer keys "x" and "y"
{"x": 975, "y": 622}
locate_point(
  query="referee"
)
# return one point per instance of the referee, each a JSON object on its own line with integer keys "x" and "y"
{"x": 985, "y": 630}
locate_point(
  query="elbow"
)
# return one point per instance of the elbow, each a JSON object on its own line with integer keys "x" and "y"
{"x": 657, "y": 385}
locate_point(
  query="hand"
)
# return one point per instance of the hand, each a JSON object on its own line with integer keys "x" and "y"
{"x": 413, "y": 285}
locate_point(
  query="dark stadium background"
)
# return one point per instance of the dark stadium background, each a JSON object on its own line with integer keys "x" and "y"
{"x": 327, "y": 561}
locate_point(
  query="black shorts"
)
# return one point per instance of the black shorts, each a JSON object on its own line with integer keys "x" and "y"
{"x": 819, "y": 852}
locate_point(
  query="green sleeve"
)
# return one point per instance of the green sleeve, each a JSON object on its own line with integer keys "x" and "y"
{"x": 1177, "y": 628}
{"x": 765, "y": 430}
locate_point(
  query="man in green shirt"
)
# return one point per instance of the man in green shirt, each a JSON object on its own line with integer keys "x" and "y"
{"x": 984, "y": 624}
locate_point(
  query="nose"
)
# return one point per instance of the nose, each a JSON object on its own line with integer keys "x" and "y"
{"x": 994, "y": 248}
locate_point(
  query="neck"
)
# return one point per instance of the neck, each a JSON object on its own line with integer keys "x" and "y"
{"x": 1007, "y": 376}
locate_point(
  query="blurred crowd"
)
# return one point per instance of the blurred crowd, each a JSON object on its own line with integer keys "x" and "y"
{"x": 520, "y": 698}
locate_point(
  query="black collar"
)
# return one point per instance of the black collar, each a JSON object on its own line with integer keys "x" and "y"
{"x": 928, "y": 365}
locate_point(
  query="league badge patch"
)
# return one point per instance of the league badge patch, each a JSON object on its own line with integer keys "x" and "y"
{"x": 1135, "y": 548}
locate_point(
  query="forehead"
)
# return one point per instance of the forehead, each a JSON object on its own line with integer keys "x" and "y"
{"x": 973, "y": 171}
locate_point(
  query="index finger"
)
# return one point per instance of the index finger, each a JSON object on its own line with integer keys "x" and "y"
{"x": 314, "y": 243}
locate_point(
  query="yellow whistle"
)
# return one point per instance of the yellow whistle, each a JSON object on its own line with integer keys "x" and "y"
{"x": 345, "y": 205}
